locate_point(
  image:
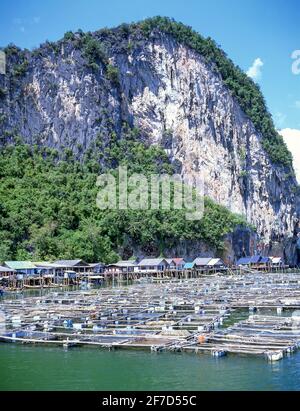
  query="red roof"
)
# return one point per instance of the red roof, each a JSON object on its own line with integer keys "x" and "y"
{"x": 178, "y": 260}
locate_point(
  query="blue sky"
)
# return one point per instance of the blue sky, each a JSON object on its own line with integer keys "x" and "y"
{"x": 248, "y": 30}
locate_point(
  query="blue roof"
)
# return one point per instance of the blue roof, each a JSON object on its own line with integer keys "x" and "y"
{"x": 264, "y": 260}
{"x": 253, "y": 260}
{"x": 244, "y": 261}
{"x": 189, "y": 265}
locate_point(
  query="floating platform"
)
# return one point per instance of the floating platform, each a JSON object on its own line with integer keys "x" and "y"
{"x": 193, "y": 315}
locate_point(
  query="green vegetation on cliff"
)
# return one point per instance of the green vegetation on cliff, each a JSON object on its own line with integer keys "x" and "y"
{"x": 96, "y": 48}
{"x": 48, "y": 207}
{"x": 248, "y": 94}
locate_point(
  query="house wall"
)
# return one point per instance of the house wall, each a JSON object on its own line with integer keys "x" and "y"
{"x": 153, "y": 269}
{"x": 27, "y": 271}
{"x": 98, "y": 269}
{"x": 7, "y": 273}
{"x": 119, "y": 270}
{"x": 113, "y": 270}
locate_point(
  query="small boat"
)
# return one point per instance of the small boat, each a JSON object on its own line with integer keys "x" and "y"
{"x": 69, "y": 344}
{"x": 156, "y": 348}
{"x": 219, "y": 353}
{"x": 274, "y": 355}
{"x": 290, "y": 349}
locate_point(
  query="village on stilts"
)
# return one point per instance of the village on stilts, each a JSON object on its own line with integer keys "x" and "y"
{"x": 252, "y": 308}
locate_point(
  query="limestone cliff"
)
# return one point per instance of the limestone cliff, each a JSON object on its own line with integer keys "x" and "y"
{"x": 54, "y": 96}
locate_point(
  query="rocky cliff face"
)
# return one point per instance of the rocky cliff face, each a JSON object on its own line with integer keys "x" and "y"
{"x": 242, "y": 241}
{"x": 176, "y": 100}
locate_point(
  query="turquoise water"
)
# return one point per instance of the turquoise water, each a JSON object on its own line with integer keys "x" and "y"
{"x": 40, "y": 368}
{"x": 52, "y": 368}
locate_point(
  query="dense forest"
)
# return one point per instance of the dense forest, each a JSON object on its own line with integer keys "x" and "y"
{"x": 48, "y": 207}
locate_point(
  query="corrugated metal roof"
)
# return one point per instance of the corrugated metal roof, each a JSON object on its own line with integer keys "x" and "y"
{"x": 202, "y": 261}
{"x": 124, "y": 263}
{"x": 255, "y": 259}
{"x": 170, "y": 261}
{"x": 179, "y": 260}
{"x": 43, "y": 264}
{"x": 152, "y": 261}
{"x": 215, "y": 261}
{"x": 96, "y": 264}
{"x": 70, "y": 263}
{"x": 276, "y": 260}
{"x": 6, "y": 269}
{"x": 264, "y": 260}
{"x": 176, "y": 261}
{"x": 244, "y": 261}
{"x": 20, "y": 265}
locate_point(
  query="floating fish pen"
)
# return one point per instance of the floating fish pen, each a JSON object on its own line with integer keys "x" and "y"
{"x": 193, "y": 315}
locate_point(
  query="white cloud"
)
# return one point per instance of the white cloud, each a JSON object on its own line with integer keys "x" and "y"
{"x": 292, "y": 138}
{"x": 255, "y": 70}
{"x": 23, "y": 24}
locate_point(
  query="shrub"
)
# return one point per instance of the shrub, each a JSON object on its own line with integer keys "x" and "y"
{"x": 69, "y": 36}
{"x": 19, "y": 70}
{"x": 93, "y": 51}
{"x": 112, "y": 73}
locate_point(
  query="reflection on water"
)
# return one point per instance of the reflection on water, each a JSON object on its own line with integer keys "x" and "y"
{"x": 39, "y": 292}
{"x": 94, "y": 369}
